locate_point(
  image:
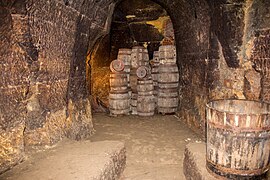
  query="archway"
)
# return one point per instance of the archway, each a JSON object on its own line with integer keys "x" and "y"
{"x": 143, "y": 23}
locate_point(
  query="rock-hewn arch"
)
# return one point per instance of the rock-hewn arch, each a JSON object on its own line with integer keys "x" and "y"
{"x": 191, "y": 22}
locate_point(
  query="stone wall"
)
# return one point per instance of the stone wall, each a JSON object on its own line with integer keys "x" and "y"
{"x": 43, "y": 83}
{"x": 236, "y": 63}
{"x": 249, "y": 41}
{"x": 258, "y": 39}
{"x": 192, "y": 43}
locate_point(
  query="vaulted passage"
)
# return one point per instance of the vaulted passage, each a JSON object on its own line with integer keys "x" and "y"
{"x": 134, "y": 23}
{"x": 55, "y": 61}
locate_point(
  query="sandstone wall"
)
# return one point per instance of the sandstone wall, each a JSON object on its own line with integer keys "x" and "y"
{"x": 43, "y": 83}
{"x": 235, "y": 63}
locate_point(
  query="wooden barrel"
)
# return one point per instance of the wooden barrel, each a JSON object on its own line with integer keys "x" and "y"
{"x": 133, "y": 103}
{"x": 118, "y": 82}
{"x": 168, "y": 76}
{"x": 145, "y": 87}
{"x": 139, "y": 56}
{"x": 117, "y": 66}
{"x": 167, "y": 101}
{"x": 167, "y": 54}
{"x": 124, "y": 55}
{"x": 119, "y": 103}
{"x": 238, "y": 139}
{"x": 146, "y": 99}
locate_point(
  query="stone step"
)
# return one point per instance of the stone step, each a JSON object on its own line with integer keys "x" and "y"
{"x": 194, "y": 166}
{"x": 69, "y": 160}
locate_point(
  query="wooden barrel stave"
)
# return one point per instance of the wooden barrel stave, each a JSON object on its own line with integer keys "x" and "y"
{"x": 167, "y": 54}
{"x": 146, "y": 105}
{"x": 238, "y": 144}
{"x": 168, "y": 76}
{"x": 145, "y": 86}
{"x": 139, "y": 56}
{"x": 146, "y": 99}
{"x": 167, "y": 101}
{"x": 124, "y": 55}
{"x": 172, "y": 85}
{"x": 119, "y": 103}
{"x": 118, "y": 82}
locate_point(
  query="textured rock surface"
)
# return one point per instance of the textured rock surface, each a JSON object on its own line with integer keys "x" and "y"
{"x": 260, "y": 57}
{"x": 194, "y": 162}
{"x": 11, "y": 146}
{"x": 43, "y": 82}
{"x": 74, "y": 160}
{"x": 252, "y": 85}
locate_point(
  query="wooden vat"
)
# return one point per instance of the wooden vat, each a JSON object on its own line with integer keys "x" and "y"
{"x": 238, "y": 143}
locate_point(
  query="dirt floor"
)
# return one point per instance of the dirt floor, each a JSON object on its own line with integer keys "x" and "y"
{"x": 154, "y": 149}
{"x": 155, "y": 145}
{"x": 72, "y": 160}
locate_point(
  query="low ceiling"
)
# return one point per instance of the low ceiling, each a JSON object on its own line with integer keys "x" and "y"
{"x": 136, "y": 15}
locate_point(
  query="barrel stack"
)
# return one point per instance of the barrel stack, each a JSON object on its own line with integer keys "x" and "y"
{"x": 119, "y": 98}
{"x": 141, "y": 89}
{"x": 139, "y": 57}
{"x": 124, "y": 54}
{"x": 145, "y": 89}
{"x": 168, "y": 80}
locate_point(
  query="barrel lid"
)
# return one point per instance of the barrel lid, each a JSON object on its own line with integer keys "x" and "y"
{"x": 142, "y": 72}
{"x": 117, "y": 66}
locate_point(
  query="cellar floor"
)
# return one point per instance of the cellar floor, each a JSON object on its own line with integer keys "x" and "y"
{"x": 155, "y": 145}
{"x": 154, "y": 149}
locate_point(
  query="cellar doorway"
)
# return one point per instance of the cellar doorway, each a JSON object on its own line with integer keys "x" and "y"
{"x": 134, "y": 23}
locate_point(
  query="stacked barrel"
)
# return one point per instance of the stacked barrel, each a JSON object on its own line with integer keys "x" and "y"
{"x": 137, "y": 88}
{"x": 119, "y": 98}
{"x": 124, "y": 55}
{"x": 168, "y": 80}
{"x": 139, "y": 57}
{"x": 145, "y": 89}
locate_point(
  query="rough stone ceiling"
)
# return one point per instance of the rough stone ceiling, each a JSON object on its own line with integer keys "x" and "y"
{"x": 139, "y": 10}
